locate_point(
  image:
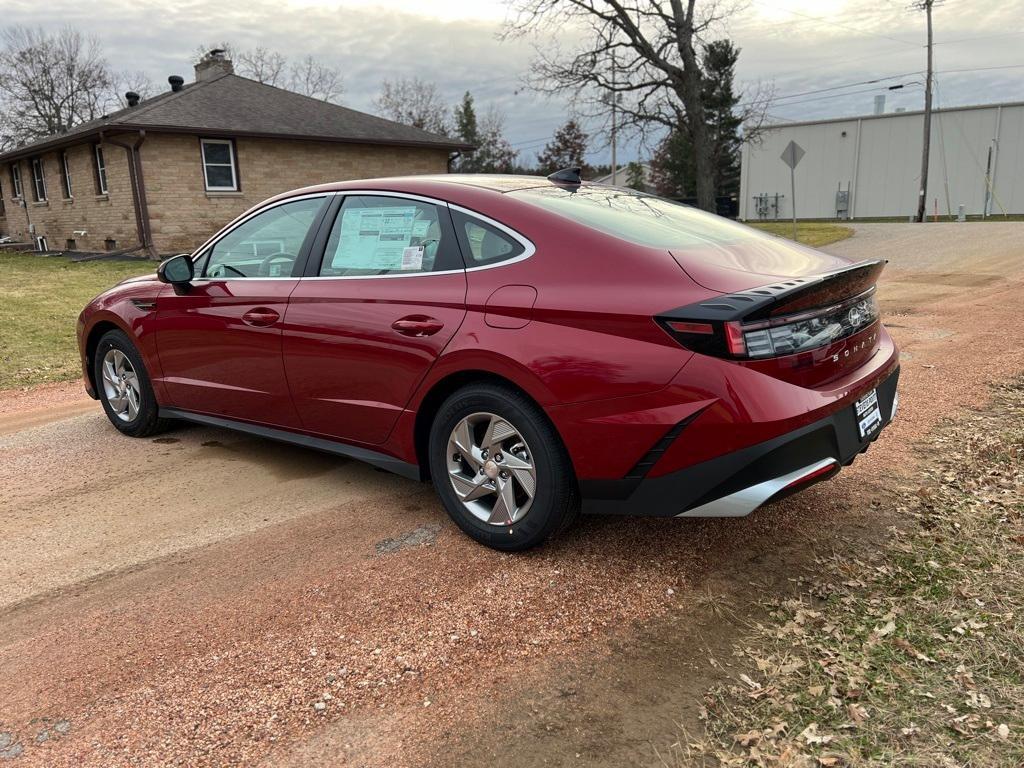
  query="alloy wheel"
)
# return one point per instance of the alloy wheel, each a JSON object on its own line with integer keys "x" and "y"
{"x": 491, "y": 469}
{"x": 121, "y": 385}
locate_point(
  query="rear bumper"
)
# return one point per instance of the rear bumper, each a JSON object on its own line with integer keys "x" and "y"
{"x": 736, "y": 483}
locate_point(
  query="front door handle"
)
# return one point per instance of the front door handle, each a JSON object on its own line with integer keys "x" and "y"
{"x": 260, "y": 317}
{"x": 417, "y": 325}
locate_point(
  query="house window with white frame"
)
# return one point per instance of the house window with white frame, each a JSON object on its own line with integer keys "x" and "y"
{"x": 65, "y": 176}
{"x": 220, "y": 172}
{"x": 101, "y": 169}
{"x": 38, "y": 180}
{"x": 16, "y": 180}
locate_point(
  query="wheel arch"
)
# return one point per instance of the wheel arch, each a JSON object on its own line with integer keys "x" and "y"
{"x": 440, "y": 390}
{"x": 92, "y": 341}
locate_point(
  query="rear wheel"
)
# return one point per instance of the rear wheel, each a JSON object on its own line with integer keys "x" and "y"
{"x": 124, "y": 387}
{"x": 501, "y": 469}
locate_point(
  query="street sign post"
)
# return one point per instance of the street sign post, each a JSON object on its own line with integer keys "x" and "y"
{"x": 792, "y": 155}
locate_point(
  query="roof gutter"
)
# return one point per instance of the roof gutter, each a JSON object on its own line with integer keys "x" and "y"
{"x": 138, "y": 182}
{"x": 80, "y": 138}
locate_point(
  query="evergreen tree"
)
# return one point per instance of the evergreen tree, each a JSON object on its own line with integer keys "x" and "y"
{"x": 466, "y": 128}
{"x": 565, "y": 150}
{"x": 635, "y": 177}
{"x": 672, "y": 167}
{"x": 495, "y": 154}
{"x": 720, "y": 104}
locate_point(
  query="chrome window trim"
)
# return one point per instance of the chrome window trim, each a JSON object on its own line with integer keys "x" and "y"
{"x": 528, "y": 246}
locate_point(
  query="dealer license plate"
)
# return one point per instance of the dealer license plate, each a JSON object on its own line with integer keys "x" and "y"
{"x": 869, "y": 418}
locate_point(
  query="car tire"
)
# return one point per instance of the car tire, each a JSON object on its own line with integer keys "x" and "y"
{"x": 124, "y": 388}
{"x": 491, "y": 442}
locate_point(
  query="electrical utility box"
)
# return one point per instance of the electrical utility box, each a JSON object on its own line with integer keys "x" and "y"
{"x": 843, "y": 201}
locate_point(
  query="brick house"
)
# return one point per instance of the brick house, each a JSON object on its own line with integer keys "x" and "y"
{"x": 163, "y": 174}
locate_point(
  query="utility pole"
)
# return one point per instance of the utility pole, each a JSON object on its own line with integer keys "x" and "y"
{"x": 615, "y": 98}
{"x": 922, "y": 195}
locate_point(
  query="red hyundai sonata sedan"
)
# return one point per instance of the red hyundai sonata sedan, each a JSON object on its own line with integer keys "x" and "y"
{"x": 535, "y": 347}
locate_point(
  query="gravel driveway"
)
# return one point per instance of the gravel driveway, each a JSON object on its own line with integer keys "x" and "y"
{"x": 206, "y": 598}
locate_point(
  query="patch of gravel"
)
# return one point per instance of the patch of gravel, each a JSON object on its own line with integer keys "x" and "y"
{"x": 424, "y": 534}
{"x": 9, "y": 747}
{"x": 214, "y": 657}
{"x": 42, "y": 396}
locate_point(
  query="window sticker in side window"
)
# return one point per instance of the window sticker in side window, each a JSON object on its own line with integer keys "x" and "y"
{"x": 379, "y": 239}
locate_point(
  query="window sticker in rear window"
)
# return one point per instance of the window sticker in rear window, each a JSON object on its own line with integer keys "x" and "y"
{"x": 377, "y": 238}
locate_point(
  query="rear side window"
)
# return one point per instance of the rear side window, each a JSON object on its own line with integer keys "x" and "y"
{"x": 374, "y": 236}
{"x": 483, "y": 243}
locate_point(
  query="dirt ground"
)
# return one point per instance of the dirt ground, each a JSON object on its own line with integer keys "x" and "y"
{"x": 206, "y": 598}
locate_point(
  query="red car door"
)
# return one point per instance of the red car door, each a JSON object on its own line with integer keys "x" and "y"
{"x": 219, "y": 342}
{"x": 373, "y": 315}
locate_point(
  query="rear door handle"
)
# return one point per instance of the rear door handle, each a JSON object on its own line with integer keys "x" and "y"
{"x": 260, "y": 317}
{"x": 417, "y": 325}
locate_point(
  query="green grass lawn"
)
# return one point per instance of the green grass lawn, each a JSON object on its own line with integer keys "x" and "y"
{"x": 40, "y": 298}
{"x": 814, "y": 234}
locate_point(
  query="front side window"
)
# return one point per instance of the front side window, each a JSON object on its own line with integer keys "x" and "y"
{"x": 100, "y": 165}
{"x": 267, "y": 245}
{"x": 220, "y": 173}
{"x": 65, "y": 176}
{"x": 375, "y": 236}
{"x": 483, "y": 243}
{"x": 38, "y": 180}
{"x": 16, "y": 180}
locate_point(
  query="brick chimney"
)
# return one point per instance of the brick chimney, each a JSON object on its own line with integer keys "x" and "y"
{"x": 213, "y": 64}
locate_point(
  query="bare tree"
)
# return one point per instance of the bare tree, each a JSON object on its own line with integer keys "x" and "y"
{"x": 307, "y": 76}
{"x": 135, "y": 82}
{"x": 263, "y": 66}
{"x": 413, "y": 102}
{"x": 311, "y": 78}
{"x": 50, "y": 82}
{"x": 646, "y": 50}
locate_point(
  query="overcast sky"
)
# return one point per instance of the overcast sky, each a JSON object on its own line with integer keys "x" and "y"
{"x": 799, "y": 46}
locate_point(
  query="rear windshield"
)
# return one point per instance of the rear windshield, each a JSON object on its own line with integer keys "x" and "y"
{"x": 638, "y": 218}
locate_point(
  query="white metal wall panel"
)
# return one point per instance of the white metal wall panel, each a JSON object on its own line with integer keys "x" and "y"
{"x": 828, "y": 161}
{"x": 1009, "y": 174}
{"x": 890, "y": 164}
{"x": 886, "y": 179}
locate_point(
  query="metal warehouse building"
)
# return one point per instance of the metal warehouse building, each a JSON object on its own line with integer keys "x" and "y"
{"x": 870, "y": 166}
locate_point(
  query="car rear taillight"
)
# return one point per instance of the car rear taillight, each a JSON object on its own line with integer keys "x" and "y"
{"x": 776, "y": 335}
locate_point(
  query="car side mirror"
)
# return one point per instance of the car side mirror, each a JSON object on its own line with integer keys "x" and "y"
{"x": 178, "y": 271}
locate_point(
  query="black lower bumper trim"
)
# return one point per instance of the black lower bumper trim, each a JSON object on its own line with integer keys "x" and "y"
{"x": 835, "y": 436}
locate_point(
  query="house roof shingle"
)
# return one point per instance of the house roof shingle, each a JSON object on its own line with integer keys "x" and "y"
{"x": 232, "y": 105}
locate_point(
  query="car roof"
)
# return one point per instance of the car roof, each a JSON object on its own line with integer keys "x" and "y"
{"x": 453, "y": 187}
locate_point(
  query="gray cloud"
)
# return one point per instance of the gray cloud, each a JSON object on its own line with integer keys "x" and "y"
{"x": 369, "y": 45}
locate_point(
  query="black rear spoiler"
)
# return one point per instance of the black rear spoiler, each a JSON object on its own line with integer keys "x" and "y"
{"x": 796, "y": 293}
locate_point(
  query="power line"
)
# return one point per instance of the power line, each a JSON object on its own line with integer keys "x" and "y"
{"x": 847, "y": 85}
{"x": 527, "y": 144}
{"x": 831, "y": 96}
{"x": 847, "y": 27}
{"x": 978, "y": 37}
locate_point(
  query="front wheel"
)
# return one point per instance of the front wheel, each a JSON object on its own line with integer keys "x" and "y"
{"x": 501, "y": 469}
{"x": 124, "y": 387}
